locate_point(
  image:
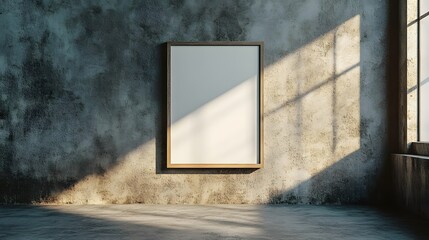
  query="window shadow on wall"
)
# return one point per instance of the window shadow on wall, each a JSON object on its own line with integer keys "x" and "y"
{"x": 96, "y": 111}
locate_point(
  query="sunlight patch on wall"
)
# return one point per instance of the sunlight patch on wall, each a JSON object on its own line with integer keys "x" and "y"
{"x": 320, "y": 96}
{"x": 125, "y": 179}
{"x": 412, "y": 80}
{"x": 133, "y": 180}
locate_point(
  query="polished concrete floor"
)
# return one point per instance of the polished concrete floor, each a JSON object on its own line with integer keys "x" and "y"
{"x": 206, "y": 222}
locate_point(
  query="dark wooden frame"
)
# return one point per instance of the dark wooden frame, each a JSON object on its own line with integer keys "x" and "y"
{"x": 260, "y": 163}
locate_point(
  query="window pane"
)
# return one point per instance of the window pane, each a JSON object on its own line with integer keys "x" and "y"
{"x": 424, "y": 6}
{"x": 424, "y": 71}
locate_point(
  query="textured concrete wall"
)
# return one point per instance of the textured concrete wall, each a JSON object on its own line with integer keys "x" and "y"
{"x": 411, "y": 68}
{"x": 82, "y": 107}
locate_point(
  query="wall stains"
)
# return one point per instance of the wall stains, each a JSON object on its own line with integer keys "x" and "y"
{"x": 82, "y": 100}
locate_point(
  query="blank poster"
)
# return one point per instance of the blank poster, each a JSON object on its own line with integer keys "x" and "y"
{"x": 214, "y": 105}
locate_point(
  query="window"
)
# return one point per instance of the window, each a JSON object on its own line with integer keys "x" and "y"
{"x": 423, "y": 69}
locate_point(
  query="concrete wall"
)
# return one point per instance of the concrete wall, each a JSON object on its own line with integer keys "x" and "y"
{"x": 411, "y": 69}
{"x": 82, "y": 107}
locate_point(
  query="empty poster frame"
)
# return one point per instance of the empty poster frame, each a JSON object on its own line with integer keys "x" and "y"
{"x": 215, "y": 105}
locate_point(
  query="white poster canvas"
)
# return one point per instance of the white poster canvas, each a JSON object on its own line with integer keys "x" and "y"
{"x": 214, "y": 105}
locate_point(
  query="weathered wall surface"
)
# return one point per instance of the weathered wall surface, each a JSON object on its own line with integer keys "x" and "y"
{"x": 82, "y": 100}
{"x": 411, "y": 68}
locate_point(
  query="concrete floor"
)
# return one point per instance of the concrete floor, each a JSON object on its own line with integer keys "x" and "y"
{"x": 206, "y": 222}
